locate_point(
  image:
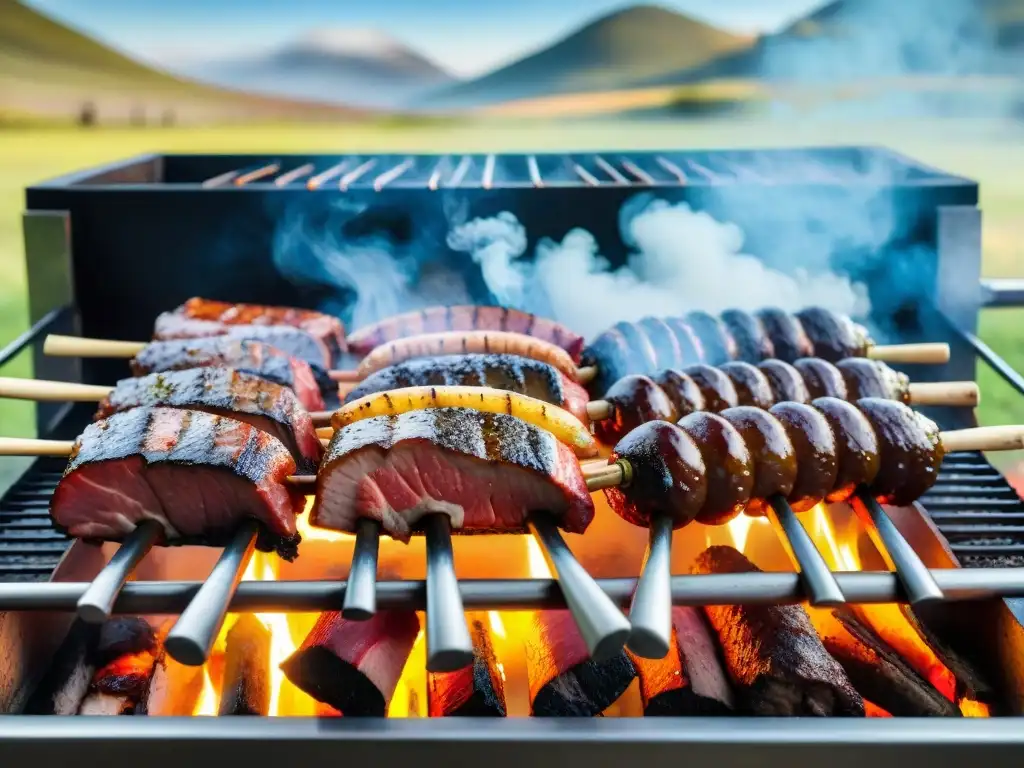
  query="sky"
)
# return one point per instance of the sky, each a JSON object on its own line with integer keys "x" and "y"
{"x": 467, "y": 37}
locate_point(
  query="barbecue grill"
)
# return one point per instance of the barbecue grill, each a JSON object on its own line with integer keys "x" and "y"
{"x": 109, "y": 248}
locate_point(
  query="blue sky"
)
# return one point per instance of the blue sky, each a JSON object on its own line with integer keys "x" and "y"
{"x": 467, "y": 37}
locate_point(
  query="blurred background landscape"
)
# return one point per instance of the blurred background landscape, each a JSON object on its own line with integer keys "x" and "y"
{"x": 88, "y": 81}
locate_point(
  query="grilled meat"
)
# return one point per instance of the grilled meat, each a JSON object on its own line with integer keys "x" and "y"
{"x": 817, "y": 463}
{"x": 669, "y": 351}
{"x": 195, "y": 473}
{"x": 485, "y": 470}
{"x": 787, "y": 335}
{"x": 752, "y": 342}
{"x": 786, "y": 382}
{"x": 834, "y": 336}
{"x": 289, "y": 339}
{"x": 772, "y": 653}
{"x": 464, "y": 318}
{"x": 821, "y": 378}
{"x": 857, "y": 456}
{"x": 873, "y": 378}
{"x": 718, "y": 344}
{"x": 716, "y": 388}
{"x": 752, "y": 386}
{"x": 682, "y": 390}
{"x": 910, "y": 447}
{"x": 690, "y": 680}
{"x": 250, "y": 357}
{"x": 326, "y": 328}
{"x": 772, "y": 452}
{"x": 354, "y": 666}
{"x": 506, "y": 372}
{"x": 269, "y": 407}
{"x": 635, "y": 400}
{"x": 730, "y": 468}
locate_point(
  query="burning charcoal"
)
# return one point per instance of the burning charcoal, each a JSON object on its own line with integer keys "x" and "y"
{"x": 126, "y": 656}
{"x": 690, "y": 680}
{"x": 67, "y": 679}
{"x": 564, "y": 680}
{"x": 122, "y": 636}
{"x": 876, "y": 670}
{"x": 173, "y": 690}
{"x": 474, "y": 691}
{"x": 246, "y": 686}
{"x": 772, "y": 653}
{"x": 354, "y": 666}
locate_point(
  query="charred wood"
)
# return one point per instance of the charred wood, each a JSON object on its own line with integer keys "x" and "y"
{"x": 777, "y": 663}
{"x": 66, "y": 681}
{"x": 354, "y": 666}
{"x": 125, "y": 658}
{"x": 564, "y": 680}
{"x": 246, "y": 686}
{"x": 691, "y": 679}
{"x": 474, "y": 691}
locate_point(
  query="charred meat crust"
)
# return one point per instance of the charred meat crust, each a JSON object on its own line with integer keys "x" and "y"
{"x": 719, "y": 345}
{"x": 834, "y": 336}
{"x": 787, "y": 335}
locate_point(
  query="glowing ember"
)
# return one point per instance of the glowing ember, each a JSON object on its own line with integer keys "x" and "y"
{"x": 971, "y": 708}
{"x": 497, "y": 626}
{"x": 208, "y": 699}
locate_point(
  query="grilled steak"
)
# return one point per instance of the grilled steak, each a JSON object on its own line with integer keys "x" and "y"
{"x": 507, "y": 372}
{"x": 267, "y": 406}
{"x": 484, "y": 470}
{"x": 246, "y": 356}
{"x": 324, "y": 327}
{"x": 294, "y": 341}
{"x": 196, "y": 474}
{"x": 772, "y": 653}
{"x": 464, "y": 318}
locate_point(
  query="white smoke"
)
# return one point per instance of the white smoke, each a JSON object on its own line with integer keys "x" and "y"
{"x": 682, "y": 260}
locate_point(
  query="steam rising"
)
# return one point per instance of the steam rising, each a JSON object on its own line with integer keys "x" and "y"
{"x": 682, "y": 260}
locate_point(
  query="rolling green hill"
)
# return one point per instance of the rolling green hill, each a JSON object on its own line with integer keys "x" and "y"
{"x": 50, "y": 71}
{"x": 640, "y": 42}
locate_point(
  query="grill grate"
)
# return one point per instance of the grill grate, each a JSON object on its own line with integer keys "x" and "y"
{"x": 974, "y": 507}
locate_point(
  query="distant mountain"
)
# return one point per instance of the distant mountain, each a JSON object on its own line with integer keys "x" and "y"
{"x": 336, "y": 65}
{"x": 863, "y": 39}
{"x": 48, "y": 70}
{"x": 640, "y": 42}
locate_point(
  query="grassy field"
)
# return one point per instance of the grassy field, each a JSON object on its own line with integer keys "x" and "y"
{"x": 991, "y": 152}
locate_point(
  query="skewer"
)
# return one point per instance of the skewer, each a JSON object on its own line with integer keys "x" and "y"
{"x": 354, "y": 175}
{"x": 293, "y": 175}
{"x": 361, "y": 588}
{"x": 488, "y": 178}
{"x": 602, "y": 625}
{"x": 449, "y": 646}
{"x": 822, "y": 587}
{"x": 195, "y": 631}
{"x": 324, "y": 176}
{"x": 913, "y": 574}
{"x": 97, "y": 604}
{"x": 650, "y": 614}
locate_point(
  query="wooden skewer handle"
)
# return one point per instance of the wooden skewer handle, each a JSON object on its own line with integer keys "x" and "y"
{"x": 607, "y": 476}
{"x": 347, "y": 377}
{"x": 931, "y": 353}
{"x": 599, "y": 410}
{"x": 586, "y": 374}
{"x": 51, "y": 391}
{"x": 964, "y": 394}
{"x": 75, "y": 346}
{"x": 30, "y": 446}
{"x": 1008, "y": 438}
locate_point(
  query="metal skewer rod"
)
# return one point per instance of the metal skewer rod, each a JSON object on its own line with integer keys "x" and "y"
{"x": 96, "y": 605}
{"x": 603, "y": 626}
{"x": 193, "y": 634}
{"x": 651, "y": 611}
{"x": 361, "y": 589}
{"x": 821, "y": 585}
{"x": 913, "y": 574}
{"x": 449, "y": 646}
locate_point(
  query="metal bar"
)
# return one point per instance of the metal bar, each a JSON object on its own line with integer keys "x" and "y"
{"x": 701, "y": 170}
{"x": 195, "y": 631}
{"x": 294, "y": 175}
{"x": 614, "y": 173}
{"x": 361, "y": 593}
{"x": 918, "y": 582}
{"x": 957, "y": 504}
{"x": 256, "y": 174}
{"x": 995, "y": 362}
{"x": 11, "y": 350}
{"x": 488, "y": 177}
{"x": 449, "y": 646}
{"x": 98, "y": 601}
{"x": 987, "y": 549}
{"x": 940, "y": 518}
{"x": 460, "y": 171}
{"x": 435, "y": 177}
{"x": 355, "y": 173}
{"x": 388, "y": 176}
{"x": 1003, "y": 292}
{"x": 822, "y": 587}
{"x": 982, "y": 530}
{"x": 586, "y": 175}
{"x": 323, "y": 177}
{"x": 766, "y": 588}
{"x": 220, "y": 180}
{"x": 603, "y": 627}
{"x": 531, "y": 166}
{"x": 650, "y": 613}
{"x": 637, "y": 171}
{"x": 672, "y": 168}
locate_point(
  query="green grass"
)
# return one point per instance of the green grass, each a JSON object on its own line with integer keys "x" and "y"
{"x": 991, "y": 152}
